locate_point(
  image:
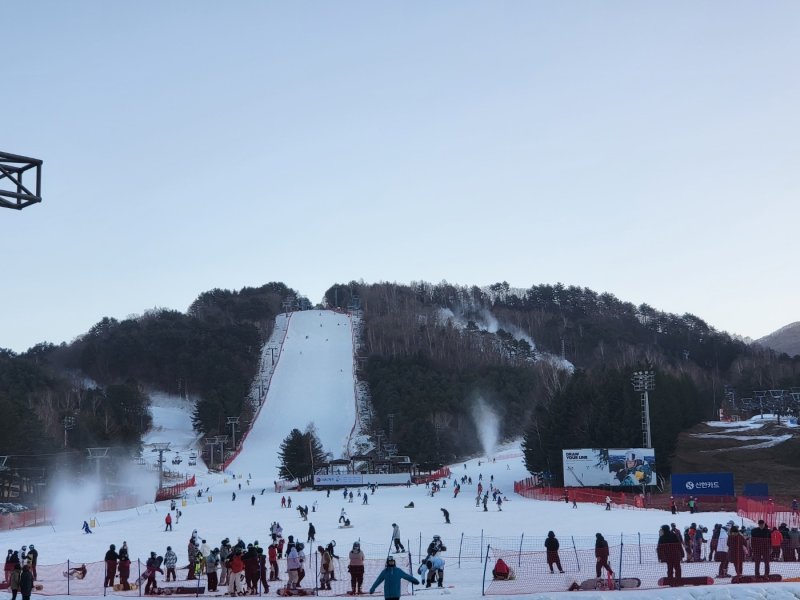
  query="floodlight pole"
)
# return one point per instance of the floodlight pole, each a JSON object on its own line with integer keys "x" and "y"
{"x": 644, "y": 381}
{"x": 69, "y": 423}
{"x": 272, "y": 353}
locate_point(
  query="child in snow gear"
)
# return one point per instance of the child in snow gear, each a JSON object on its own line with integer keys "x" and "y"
{"x": 502, "y": 571}
{"x": 432, "y": 570}
{"x": 170, "y": 562}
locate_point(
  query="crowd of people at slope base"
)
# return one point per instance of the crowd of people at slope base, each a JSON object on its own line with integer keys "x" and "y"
{"x": 20, "y": 571}
{"x": 242, "y": 567}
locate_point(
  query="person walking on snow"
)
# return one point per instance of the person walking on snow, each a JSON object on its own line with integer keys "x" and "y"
{"x": 601, "y": 554}
{"x": 446, "y": 515}
{"x": 608, "y": 502}
{"x": 398, "y": 545}
{"x": 311, "y": 533}
{"x": 551, "y": 545}
{"x": 168, "y": 522}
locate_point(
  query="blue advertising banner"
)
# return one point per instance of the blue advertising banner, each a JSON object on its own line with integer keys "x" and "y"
{"x": 702, "y": 484}
{"x": 755, "y": 490}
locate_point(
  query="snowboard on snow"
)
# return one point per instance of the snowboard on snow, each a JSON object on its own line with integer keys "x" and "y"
{"x": 298, "y": 592}
{"x": 119, "y": 588}
{"x": 345, "y": 526}
{"x": 753, "y": 579}
{"x": 679, "y": 581}
{"x": 606, "y": 583}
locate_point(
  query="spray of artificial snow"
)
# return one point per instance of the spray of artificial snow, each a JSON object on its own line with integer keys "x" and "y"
{"x": 488, "y": 425}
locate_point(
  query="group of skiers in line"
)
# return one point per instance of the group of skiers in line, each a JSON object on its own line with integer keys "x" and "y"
{"x": 17, "y": 559}
{"x": 729, "y": 545}
{"x": 20, "y": 571}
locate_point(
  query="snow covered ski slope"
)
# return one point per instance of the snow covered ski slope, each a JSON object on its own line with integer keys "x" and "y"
{"x": 312, "y": 383}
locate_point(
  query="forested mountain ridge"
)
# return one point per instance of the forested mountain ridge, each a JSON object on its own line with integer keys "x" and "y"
{"x": 552, "y": 362}
{"x": 431, "y": 352}
{"x": 99, "y": 381}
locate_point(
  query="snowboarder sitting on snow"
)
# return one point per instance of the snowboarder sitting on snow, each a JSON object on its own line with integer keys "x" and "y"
{"x": 391, "y": 577}
{"x": 502, "y": 571}
{"x": 409, "y": 505}
{"x": 78, "y": 573}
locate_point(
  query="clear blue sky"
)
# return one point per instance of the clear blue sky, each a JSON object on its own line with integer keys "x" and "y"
{"x": 647, "y": 149}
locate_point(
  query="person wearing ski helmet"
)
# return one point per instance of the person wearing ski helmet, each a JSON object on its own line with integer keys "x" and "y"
{"x": 111, "y": 559}
{"x": 391, "y": 578}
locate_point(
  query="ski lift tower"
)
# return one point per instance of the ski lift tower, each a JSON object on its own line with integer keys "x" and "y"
{"x": 13, "y": 192}
{"x": 643, "y": 382}
{"x": 233, "y": 422}
{"x": 160, "y": 447}
{"x": 97, "y": 454}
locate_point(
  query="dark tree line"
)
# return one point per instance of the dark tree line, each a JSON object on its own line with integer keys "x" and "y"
{"x": 428, "y": 367}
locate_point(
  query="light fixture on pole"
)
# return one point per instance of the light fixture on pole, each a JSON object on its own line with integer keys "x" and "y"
{"x": 643, "y": 382}
{"x": 69, "y": 423}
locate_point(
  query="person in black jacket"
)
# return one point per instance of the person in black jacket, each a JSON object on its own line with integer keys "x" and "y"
{"x": 551, "y": 545}
{"x": 111, "y": 565}
{"x": 670, "y": 551}
{"x": 26, "y": 582}
{"x": 601, "y": 554}
{"x": 760, "y": 539}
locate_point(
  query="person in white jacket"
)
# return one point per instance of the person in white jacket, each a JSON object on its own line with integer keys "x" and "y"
{"x": 292, "y": 565}
{"x": 398, "y": 545}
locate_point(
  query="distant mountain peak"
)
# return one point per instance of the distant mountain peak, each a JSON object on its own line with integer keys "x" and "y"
{"x": 786, "y": 339}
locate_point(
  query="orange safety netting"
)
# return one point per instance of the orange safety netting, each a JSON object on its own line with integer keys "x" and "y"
{"x": 531, "y": 572}
{"x": 68, "y": 578}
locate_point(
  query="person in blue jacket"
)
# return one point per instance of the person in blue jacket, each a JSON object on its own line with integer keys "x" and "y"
{"x": 391, "y": 577}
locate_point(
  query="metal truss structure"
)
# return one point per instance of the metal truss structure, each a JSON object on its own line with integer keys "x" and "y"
{"x": 13, "y": 192}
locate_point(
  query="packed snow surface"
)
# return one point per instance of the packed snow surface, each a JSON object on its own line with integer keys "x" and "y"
{"x": 314, "y": 382}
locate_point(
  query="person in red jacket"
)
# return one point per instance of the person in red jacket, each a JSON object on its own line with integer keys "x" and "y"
{"x": 272, "y": 555}
{"x": 168, "y": 522}
{"x": 776, "y": 539}
{"x": 501, "y": 570}
{"x": 236, "y": 583}
{"x": 736, "y": 544}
